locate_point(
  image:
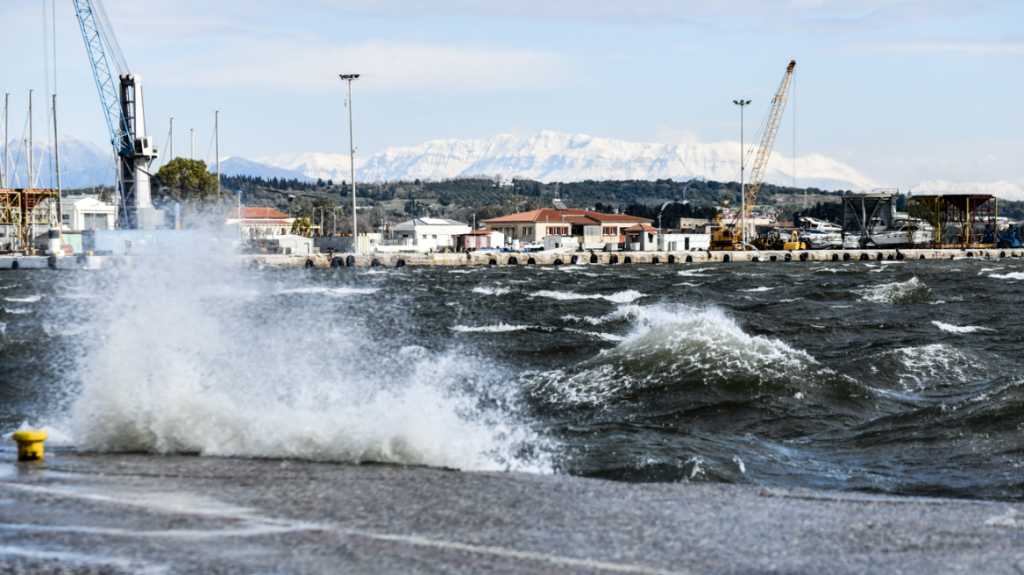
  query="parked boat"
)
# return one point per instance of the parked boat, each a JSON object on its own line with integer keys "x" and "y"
{"x": 820, "y": 234}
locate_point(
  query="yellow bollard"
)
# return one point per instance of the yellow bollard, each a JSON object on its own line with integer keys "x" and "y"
{"x": 30, "y": 445}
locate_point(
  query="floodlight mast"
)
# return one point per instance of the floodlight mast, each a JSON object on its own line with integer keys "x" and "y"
{"x": 352, "y": 158}
{"x": 743, "y": 195}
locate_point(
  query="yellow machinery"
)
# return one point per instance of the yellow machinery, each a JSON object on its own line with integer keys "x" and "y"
{"x": 731, "y": 238}
{"x": 775, "y": 241}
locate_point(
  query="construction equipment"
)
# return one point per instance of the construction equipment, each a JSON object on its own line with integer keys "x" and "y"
{"x": 731, "y": 237}
{"x": 125, "y": 115}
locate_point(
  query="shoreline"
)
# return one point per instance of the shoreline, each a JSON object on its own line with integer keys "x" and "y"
{"x": 188, "y": 514}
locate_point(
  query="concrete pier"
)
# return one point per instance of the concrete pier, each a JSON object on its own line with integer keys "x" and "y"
{"x": 137, "y": 513}
{"x": 546, "y": 258}
{"x": 542, "y": 258}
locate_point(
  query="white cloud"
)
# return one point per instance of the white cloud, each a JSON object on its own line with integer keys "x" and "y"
{"x": 1013, "y": 45}
{"x": 383, "y": 64}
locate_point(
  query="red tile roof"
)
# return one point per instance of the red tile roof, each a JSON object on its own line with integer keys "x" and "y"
{"x": 641, "y": 228}
{"x": 578, "y": 217}
{"x": 257, "y": 213}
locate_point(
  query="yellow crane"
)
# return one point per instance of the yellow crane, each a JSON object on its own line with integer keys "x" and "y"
{"x": 731, "y": 238}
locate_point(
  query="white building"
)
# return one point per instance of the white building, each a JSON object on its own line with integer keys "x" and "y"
{"x": 260, "y": 223}
{"x": 425, "y": 234}
{"x": 87, "y": 213}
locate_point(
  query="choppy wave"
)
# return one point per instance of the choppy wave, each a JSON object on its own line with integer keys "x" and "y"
{"x": 15, "y": 311}
{"x": 488, "y": 290}
{"x": 499, "y": 328}
{"x": 620, "y": 297}
{"x": 1008, "y": 276}
{"x": 329, "y": 291}
{"x": 896, "y": 293}
{"x": 686, "y": 349}
{"x": 26, "y": 299}
{"x": 957, "y": 328}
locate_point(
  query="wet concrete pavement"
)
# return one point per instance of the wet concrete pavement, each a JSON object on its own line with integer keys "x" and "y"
{"x": 133, "y": 513}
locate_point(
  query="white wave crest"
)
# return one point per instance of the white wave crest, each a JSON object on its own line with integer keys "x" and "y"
{"x": 759, "y": 289}
{"x": 673, "y": 345}
{"x": 334, "y": 292}
{"x": 958, "y": 329}
{"x": 620, "y": 297}
{"x": 694, "y": 272}
{"x": 499, "y": 328}
{"x": 896, "y": 292}
{"x": 15, "y": 311}
{"x": 1009, "y": 276}
{"x": 487, "y": 290}
{"x": 26, "y": 299}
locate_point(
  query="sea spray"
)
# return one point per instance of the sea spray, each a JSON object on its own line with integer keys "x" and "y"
{"x": 177, "y": 363}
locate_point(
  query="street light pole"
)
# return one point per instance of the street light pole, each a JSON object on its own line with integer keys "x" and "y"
{"x": 352, "y": 158}
{"x": 743, "y": 191}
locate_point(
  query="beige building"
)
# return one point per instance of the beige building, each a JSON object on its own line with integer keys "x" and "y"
{"x": 591, "y": 229}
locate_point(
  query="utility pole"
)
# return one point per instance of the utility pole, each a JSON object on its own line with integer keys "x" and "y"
{"x": 216, "y": 129}
{"x": 352, "y": 158}
{"x": 743, "y": 191}
{"x": 193, "y": 143}
{"x": 171, "y": 155}
{"x": 56, "y": 154}
{"x": 7, "y": 145}
{"x": 31, "y": 149}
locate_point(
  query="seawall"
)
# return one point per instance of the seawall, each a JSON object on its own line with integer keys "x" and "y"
{"x": 543, "y": 258}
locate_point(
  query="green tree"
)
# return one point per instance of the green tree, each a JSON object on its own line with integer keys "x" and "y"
{"x": 184, "y": 180}
{"x": 301, "y": 226}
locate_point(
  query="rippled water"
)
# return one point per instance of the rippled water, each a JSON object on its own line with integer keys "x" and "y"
{"x": 899, "y": 377}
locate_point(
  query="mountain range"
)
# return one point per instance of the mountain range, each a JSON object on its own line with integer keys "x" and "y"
{"x": 547, "y": 157}
{"x": 552, "y": 156}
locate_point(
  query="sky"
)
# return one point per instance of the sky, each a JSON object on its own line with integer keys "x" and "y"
{"x": 902, "y": 90}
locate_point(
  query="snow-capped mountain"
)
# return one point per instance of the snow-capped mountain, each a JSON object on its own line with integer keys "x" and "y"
{"x": 1005, "y": 189}
{"x": 82, "y": 164}
{"x": 236, "y": 166}
{"x": 551, "y": 156}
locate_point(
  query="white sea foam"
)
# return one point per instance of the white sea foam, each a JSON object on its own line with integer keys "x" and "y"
{"x": 181, "y": 375}
{"x": 15, "y": 310}
{"x": 499, "y": 328}
{"x": 932, "y": 364}
{"x": 1009, "y": 276}
{"x": 896, "y": 293}
{"x": 759, "y": 289}
{"x": 488, "y": 290}
{"x": 689, "y": 284}
{"x": 958, "y": 329}
{"x": 328, "y": 291}
{"x": 619, "y": 297}
{"x": 694, "y": 272}
{"x": 26, "y": 299}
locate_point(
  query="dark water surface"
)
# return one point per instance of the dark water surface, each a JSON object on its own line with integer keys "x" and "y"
{"x": 899, "y": 377}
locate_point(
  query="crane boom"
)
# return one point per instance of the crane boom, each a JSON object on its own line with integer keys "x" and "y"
{"x": 119, "y": 135}
{"x": 126, "y": 120}
{"x": 768, "y": 139}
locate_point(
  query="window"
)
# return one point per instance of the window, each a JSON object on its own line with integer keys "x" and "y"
{"x": 558, "y": 231}
{"x": 435, "y": 236}
{"x": 610, "y": 231}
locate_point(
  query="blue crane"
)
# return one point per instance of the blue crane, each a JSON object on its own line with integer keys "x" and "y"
{"x": 125, "y": 116}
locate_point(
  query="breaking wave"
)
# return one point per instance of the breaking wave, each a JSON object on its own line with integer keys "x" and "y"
{"x": 262, "y": 378}
{"x": 896, "y": 293}
{"x": 685, "y": 350}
